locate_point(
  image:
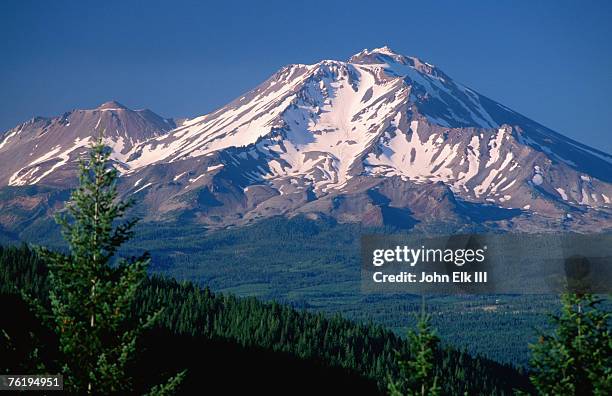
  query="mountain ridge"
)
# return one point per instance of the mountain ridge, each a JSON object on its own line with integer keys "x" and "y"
{"x": 49, "y": 147}
{"x": 312, "y": 135}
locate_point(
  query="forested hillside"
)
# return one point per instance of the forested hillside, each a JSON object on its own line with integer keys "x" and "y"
{"x": 315, "y": 265}
{"x": 226, "y": 341}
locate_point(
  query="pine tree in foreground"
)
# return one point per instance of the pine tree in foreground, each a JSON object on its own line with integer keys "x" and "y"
{"x": 417, "y": 372}
{"x": 92, "y": 292}
{"x": 577, "y": 358}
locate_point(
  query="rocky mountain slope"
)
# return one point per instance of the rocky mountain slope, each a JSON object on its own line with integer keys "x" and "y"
{"x": 45, "y": 150}
{"x": 380, "y": 139}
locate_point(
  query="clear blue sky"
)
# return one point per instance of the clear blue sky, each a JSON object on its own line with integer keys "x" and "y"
{"x": 549, "y": 60}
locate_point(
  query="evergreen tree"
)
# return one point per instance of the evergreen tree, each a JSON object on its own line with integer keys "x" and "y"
{"x": 417, "y": 371}
{"x": 91, "y": 292}
{"x": 577, "y": 358}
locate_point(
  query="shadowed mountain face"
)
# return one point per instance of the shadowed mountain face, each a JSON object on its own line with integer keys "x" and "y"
{"x": 380, "y": 139}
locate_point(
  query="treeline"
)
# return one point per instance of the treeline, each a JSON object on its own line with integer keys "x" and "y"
{"x": 246, "y": 327}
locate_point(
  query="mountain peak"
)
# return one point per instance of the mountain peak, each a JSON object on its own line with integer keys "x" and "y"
{"x": 384, "y": 50}
{"x": 112, "y": 105}
{"x": 385, "y": 54}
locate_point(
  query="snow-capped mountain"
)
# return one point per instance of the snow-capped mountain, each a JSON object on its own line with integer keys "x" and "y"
{"x": 46, "y": 150}
{"x": 380, "y": 138}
